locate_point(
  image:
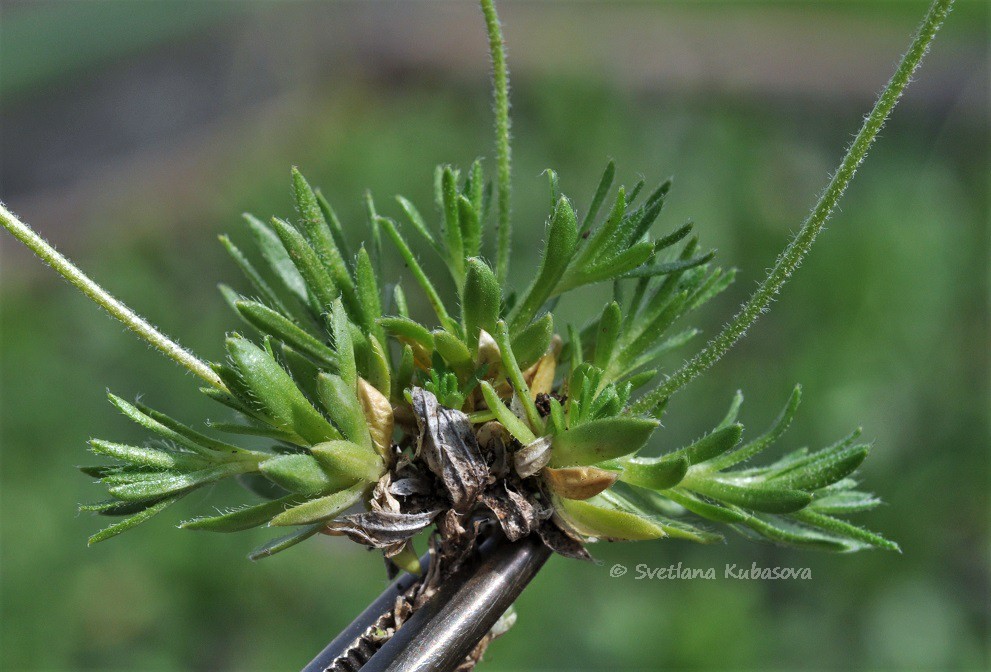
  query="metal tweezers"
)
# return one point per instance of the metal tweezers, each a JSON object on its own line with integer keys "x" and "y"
{"x": 440, "y": 634}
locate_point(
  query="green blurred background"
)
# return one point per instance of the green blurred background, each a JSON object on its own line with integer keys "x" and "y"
{"x": 134, "y": 132}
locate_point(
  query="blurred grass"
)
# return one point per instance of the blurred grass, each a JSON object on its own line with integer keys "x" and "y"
{"x": 885, "y": 326}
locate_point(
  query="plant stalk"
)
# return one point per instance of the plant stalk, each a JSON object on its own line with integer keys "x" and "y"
{"x": 140, "y": 326}
{"x": 795, "y": 252}
{"x": 500, "y": 90}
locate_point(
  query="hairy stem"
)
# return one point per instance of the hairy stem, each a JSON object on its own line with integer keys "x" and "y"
{"x": 116, "y": 308}
{"x": 500, "y": 89}
{"x": 796, "y": 250}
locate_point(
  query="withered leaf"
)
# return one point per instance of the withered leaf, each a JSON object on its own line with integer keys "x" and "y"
{"x": 562, "y": 542}
{"x": 578, "y": 482}
{"x": 516, "y": 515}
{"x": 413, "y": 485}
{"x": 381, "y": 529}
{"x": 450, "y": 449}
{"x": 532, "y": 457}
{"x": 492, "y": 440}
{"x": 378, "y": 413}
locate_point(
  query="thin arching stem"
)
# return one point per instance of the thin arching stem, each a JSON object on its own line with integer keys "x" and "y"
{"x": 796, "y": 250}
{"x": 116, "y": 308}
{"x": 500, "y": 88}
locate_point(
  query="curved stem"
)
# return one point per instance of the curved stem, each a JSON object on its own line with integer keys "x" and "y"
{"x": 500, "y": 89}
{"x": 796, "y": 250}
{"x": 116, "y": 308}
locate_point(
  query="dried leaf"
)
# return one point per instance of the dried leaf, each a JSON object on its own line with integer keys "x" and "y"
{"x": 381, "y": 529}
{"x": 516, "y": 515}
{"x": 448, "y": 445}
{"x": 578, "y": 482}
{"x": 562, "y": 542}
{"x": 378, "y": 413}
{"x": 533, "y": 457}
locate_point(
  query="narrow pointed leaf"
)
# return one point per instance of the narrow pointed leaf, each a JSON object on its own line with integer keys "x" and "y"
{"x": 276, "y": 394}
{"x": 514, "y": 425}
{"x": 600, "y": 440}
{"x": 282, "y": 543}
{"x": 136, "y": 519}
{"x": 302, "y": 474}
{"x": 349, "y": 460}
{"x": 655, "y": 473}
{"x": 342, "y": 405}
{"x": 756, "y": 498}
{"x": 481, "y": 300}
{"x": 597, "y": 518}
{"x": 322, "y": 508}
{"x": 274, "y": 324}
{"x": 243, "y": 518}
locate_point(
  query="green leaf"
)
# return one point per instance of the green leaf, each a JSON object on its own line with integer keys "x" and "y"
{"x": 559, "y": 249}
{"x": 454, "y": 243}
{"x": 654, "y": 473}
{"x": 669, "y": 267}
{"x": 784, "y": 532}
{"x": 421, "y": 278}
{"x": 254, "y": 277}
{"x": 167, "y": 483}
{"x": 136, "y": 519}
{"x": 416, "y": 219}
{"x": 598, "y": 517}
{"x": 600, "y": 440}
{"x": 471, "y": 228}
{"x": 454, "y": 352}
{"x": 243, "y": 518}
{"x": 532, "y": 343}
{"x": 850, "y": 501}
{"x": 481, "y": 300}
{"x": 844, "y": 529}
{"x": 308, "y": 263}
{"x": 341, "y": 402}
{"x": 341, "y": 331}
{"x": 712, "y": 445}
{"x": 404, "y": 373}
{"x": 515, "y": 375}
{"x": 712, "y": 510}
{"x": 257, "y": 429}
{"x": 171, "y": 430}
{"x": 316, "y": 231}
{"x": 601, "y": 237}
{"x": 672, "y": 238}
{"x": 321, "y": 509}
{"x": 756, "y": 498}
{"x": 277, "y": 258}
{"x": 147, "y": 457}
{"x": 617, "y": 266}
{"x": 378, "y": 370}
{"x": 368, "y": 295}
{"x": 823, "y": 469}
{"x": 506, "y": 417}
{"x": 412, "y": 334}
{"x": 257, "y": 484}
{"x": 600, "y": 195}
{"x": 733, "y": 412}
{"x": 276, "y": 325}
{"x": 754, "y": 447}
{"x": 350, "y": 460}
{"x": 334, "y": 223}
{"x": 302, "y": 474}
{"x": 677, "y": 529}
{"x": 606, "y": 335}
{"x": 275, "y": 393}
{"x": 282, "y": 543}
